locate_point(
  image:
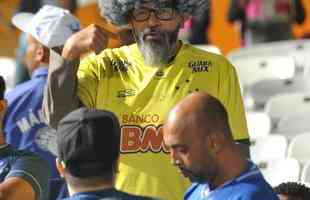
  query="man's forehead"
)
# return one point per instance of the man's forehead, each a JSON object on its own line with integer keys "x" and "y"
{"x": 178, "y": 126}
{"x": 176, "y": 137}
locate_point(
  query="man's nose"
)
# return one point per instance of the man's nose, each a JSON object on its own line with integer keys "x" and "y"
{"x": 153, "y": 20}
{"x": 174, "y": 158}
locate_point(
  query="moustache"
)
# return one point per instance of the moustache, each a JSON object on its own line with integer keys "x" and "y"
{"x": 152, "y": 32}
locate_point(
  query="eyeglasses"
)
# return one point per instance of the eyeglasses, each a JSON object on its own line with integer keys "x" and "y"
{"x": 143, "y": 14}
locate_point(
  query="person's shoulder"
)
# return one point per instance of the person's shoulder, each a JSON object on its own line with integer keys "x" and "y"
{"x": 194, "y": 53}
{"x": 10, "y": 151}
{"x": 254, "y": 195}
{"x": 26, "y": 160}
{"x": 20, "y": 90}
{"x": 254, "y": 191}
{"x": 25, "y": 153}
{"x": 192, "y": 49}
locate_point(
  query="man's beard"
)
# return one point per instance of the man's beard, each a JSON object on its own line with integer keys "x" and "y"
{"x": 192, "y": 176}
{"x": 157, "y": 52}
{"x": 202, "y": 172}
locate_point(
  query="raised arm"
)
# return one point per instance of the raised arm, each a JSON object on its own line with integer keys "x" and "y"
{"x": 60, "y": 95}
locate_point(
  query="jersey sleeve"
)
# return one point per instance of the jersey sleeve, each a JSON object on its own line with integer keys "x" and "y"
{"x": 35, "y": 171}
{"x": 88, "y": 79}
{"x": 229, "y": 93}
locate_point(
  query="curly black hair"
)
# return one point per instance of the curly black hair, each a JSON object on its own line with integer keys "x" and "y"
{"x": 117, "y": 11}
{"x": 293, "y": 189}
{"x": 2, "y": 87}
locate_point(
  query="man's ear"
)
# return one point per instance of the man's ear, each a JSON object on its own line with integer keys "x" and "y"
{"x": 215, "y": 143}
{"x": 43, "y": 54}
{"x": 3, "y": 105}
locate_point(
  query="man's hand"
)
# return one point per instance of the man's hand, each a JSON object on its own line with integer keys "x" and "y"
{"x": 92, "y": 38}
{"x": 16, "y": 188}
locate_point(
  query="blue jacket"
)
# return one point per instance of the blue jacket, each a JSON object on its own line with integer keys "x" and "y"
{"x": 250, "y": 185}
{"x": 24, "y": 126}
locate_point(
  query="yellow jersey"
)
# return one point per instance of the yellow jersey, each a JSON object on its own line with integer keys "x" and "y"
{"x": 141, "y": 96}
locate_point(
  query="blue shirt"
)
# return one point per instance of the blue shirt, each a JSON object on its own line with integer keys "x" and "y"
{"x": 108, "y": 194}
{"x": 250, "y": 185}
{"x": 25, "y": 165}
{"x": 24, "y": 126}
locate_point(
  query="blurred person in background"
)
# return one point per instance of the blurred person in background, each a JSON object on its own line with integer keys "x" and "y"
{"x": 33, "y": 6}
{"x": 195, "y": 29}
{"x": 292, "y": 191}
{"x": 266, "y": 20}
{"x": 24, "y": 125}
{"x": 23, "y": 175}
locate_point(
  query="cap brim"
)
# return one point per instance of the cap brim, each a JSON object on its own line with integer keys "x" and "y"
{"x": 21, "y": 20}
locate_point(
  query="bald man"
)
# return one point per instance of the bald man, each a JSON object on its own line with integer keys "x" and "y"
{"x": 201, "y": 145}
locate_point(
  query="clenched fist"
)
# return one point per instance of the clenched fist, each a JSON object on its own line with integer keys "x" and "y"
{"x": 92, "y": 38}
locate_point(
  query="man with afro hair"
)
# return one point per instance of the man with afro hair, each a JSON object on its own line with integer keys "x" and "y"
{"x": 140, "y": 83}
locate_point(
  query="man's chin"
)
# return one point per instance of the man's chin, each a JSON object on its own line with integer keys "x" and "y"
{"x": 152, "y": 43}
{"x": 187, "y": 174}
{"x": 191, "y": 177}
{"x": 184, "y": 173}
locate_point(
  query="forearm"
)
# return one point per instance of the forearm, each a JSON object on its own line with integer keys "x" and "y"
{"x": 60, "y": 95}
{"x": 15, "y": 189}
